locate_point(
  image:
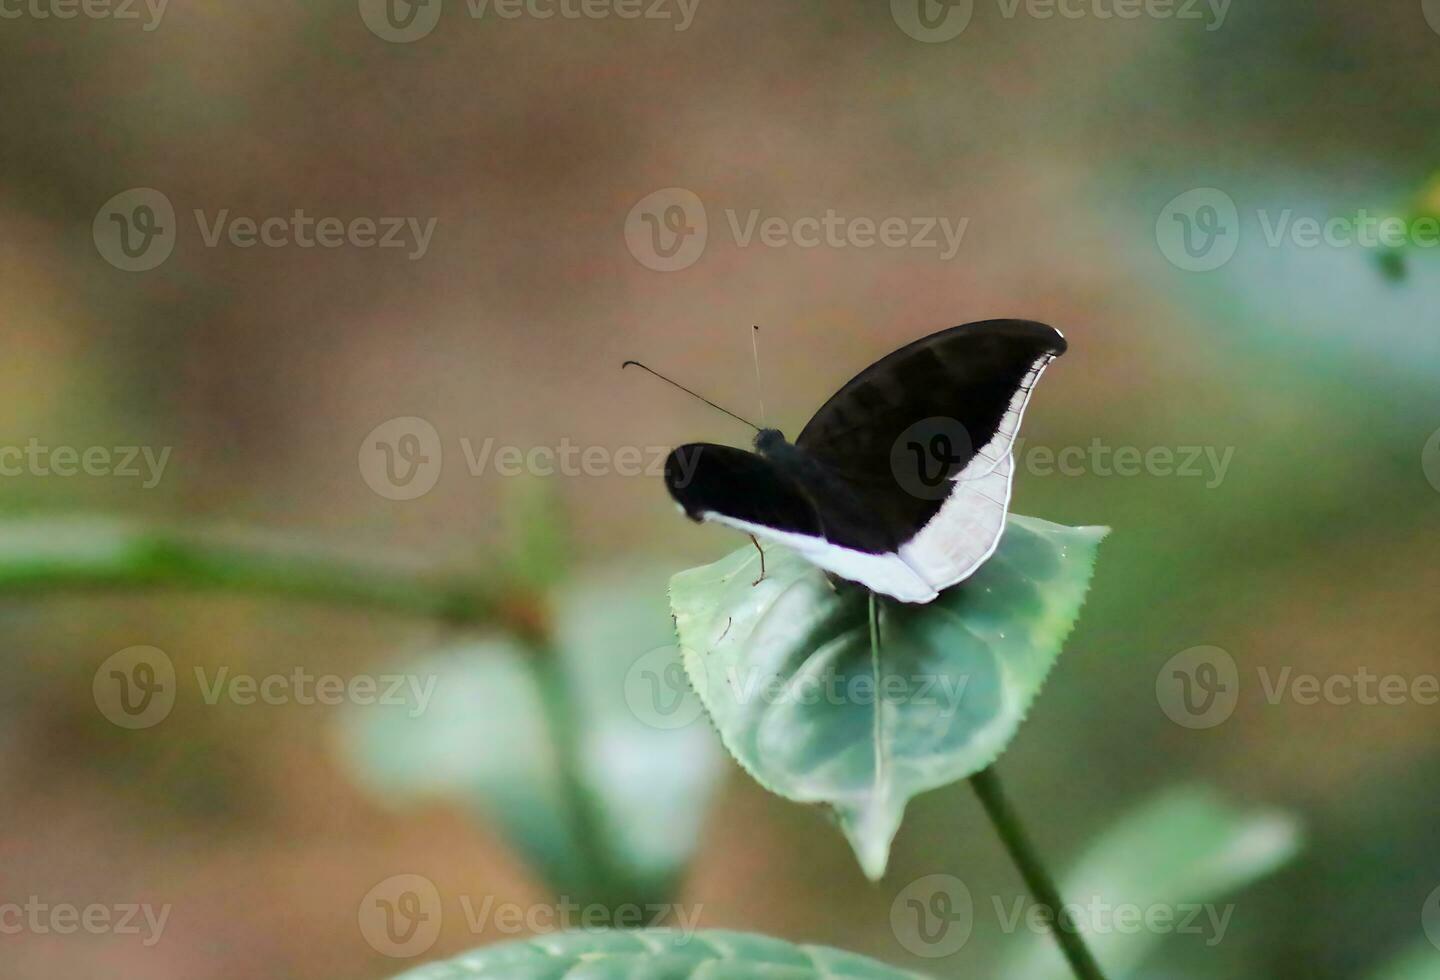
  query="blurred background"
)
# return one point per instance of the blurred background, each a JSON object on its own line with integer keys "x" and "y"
{"x": 571, "y": 191}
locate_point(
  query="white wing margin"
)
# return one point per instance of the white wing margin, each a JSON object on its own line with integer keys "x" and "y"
{"x": 966, "y": 530}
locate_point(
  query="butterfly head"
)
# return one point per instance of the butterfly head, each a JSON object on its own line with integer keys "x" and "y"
{"x": 769, "y": 439}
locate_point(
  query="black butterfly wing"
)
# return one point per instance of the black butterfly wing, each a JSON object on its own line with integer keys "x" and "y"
{"x": 710, "y": 481}
{"x": 977, "y": 375}
{"x": 924, "y": 437}
{"x": 777, "y": 500}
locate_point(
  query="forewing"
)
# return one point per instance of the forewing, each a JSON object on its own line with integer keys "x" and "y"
{"x": 946, "y": 401}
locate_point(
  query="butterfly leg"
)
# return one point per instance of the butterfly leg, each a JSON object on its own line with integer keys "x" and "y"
{"x": 756, "y": 543}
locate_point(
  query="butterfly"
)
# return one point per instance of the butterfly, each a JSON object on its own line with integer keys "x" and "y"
{"x": 901, "y": 481}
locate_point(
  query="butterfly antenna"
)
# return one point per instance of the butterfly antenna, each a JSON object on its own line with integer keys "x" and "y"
{"x": 693, "y": 394}
{"x": 759, "y": 386}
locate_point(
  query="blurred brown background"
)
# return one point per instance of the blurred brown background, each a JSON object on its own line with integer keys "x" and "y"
{"x": 529, "y": 141}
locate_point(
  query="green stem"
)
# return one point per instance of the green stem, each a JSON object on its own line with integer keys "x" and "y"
{"x": 68, "y": 555}
{"x": 560, "y": 721}
{"x": 599, "y": 878}
{"x": 97, "y": 555}
{"x": 1002, "y": 815}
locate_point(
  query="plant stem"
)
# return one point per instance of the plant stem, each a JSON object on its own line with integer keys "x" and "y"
{"x": 987, "y": 787}
{"x": 87, "y": 554}
{"x": 101, "y": 555}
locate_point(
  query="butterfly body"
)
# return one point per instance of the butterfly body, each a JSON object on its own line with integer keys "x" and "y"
{"x": 902, "y": 480}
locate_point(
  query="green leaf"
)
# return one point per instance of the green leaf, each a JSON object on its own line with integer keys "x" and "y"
{"x": 1187, "y": 846}
{"x": 482, "y": 741}
{"x": 657, "y": 954}
{"x": 786, "y": 671}
{"x": 653, "y": 784}
{"x": 1420, "y": 962}
{"x": 490, "y": 738}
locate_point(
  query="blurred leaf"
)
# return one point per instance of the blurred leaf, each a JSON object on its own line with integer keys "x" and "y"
{"x": 1420, "y": 962}
{"x": 1427, "y": 199}
{"x": 654, "y": 784}
{"x": 1187, "y": 847}
{"x": 657, "y": 954}
{"x": 489, "y": 739}
{"x": 481, "y": 740}
{"x": 786, "y": 672}
{"x": 1392, "y": 264}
